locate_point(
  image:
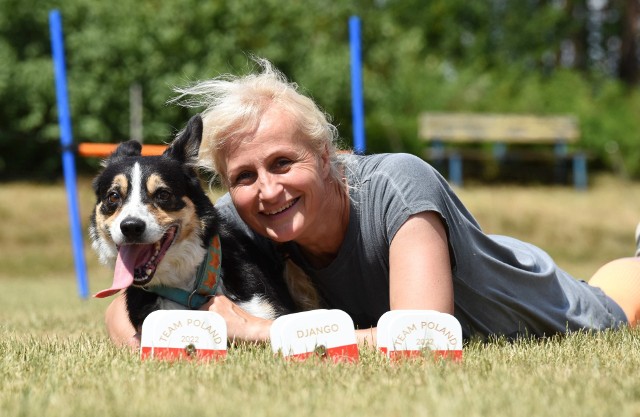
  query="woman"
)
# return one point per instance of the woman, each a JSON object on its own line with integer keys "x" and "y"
{"x": 367, "y": 234}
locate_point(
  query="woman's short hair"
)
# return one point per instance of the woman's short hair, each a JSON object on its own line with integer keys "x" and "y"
{"x": 234, "y": 106}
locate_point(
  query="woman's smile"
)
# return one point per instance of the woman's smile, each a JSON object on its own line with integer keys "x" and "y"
{"x": 282, "y": 209}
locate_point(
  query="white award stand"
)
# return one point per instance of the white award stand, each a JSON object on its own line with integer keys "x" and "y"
{"x": 184, "y": 334}
{"x": 419, "y": 333}
{"x": 326, "y": 334}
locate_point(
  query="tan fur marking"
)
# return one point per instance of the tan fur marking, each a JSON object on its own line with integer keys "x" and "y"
{"x": 153, "y": 183}
{"x": 103, "y": 223}
{"x": 190, "y": 221}
{"x": 186, "y": 217}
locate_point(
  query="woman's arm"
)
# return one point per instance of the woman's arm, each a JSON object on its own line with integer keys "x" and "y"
{"x": 420, "y": 269}
{"x": 243, "y": 326}
{"x": 240, "y": 324}
{"x": 120, "y": 330}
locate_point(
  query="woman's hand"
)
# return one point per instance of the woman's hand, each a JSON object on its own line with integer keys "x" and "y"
{"x": 240, "y": 324}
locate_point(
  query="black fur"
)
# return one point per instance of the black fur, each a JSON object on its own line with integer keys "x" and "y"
{"x": 244, "y": 272}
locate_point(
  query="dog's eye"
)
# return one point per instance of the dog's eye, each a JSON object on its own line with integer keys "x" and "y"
{"x": 163, "y": 196}
{"x": 112, "y": 199}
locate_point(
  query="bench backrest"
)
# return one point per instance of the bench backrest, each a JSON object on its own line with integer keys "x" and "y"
{"x": 508, "y": 128}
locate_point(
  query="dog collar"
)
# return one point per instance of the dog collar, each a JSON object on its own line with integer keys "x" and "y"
{"x": 207, "y": 280}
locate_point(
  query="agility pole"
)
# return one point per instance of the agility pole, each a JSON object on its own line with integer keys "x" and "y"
{"x": 357, "y": 100}
{"x": 68, "y": 158}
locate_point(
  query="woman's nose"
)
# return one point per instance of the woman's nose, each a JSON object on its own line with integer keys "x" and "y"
{"x": 269, "y": 186}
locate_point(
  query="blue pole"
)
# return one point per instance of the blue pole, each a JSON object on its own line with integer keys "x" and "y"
{"x": 357, "y": 101}
{"x": 68, "y": 161}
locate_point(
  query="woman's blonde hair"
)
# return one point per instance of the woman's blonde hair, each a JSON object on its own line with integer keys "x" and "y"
{"x": 234, "y": 106}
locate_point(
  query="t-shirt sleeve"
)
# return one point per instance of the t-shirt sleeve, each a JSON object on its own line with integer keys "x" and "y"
{"x": 406, "y": 185}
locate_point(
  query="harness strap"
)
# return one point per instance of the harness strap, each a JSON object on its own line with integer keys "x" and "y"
{"x": 207, "y": 280}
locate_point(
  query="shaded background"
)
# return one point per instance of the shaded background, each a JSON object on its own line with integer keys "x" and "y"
{"x": 528, "y": 56}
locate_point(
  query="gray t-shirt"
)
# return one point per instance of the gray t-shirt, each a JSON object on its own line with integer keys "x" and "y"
{"x": 502, "y": 286}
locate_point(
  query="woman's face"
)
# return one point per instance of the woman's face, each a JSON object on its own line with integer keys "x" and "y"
{"x": 276, "y": 182}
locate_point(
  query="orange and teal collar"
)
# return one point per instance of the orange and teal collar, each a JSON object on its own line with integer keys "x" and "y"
{"x": 207, "y": 280}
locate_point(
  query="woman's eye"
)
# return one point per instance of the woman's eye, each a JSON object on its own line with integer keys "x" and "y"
{"x": 243, "y": 178}
{"x": 282, "y": 163}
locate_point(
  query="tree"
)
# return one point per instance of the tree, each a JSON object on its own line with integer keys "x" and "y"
{"x": 457, "y": 55}
{"x": 628, "y": 67}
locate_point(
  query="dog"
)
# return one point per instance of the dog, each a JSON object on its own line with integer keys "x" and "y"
{"x": 155, "y": 224}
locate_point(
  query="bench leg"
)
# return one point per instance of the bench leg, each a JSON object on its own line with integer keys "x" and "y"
{"x": 580, "y": 171}
{"x": 455, "y": 170}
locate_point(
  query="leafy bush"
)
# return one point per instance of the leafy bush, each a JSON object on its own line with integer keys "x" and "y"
{"x": 438, "y": 55}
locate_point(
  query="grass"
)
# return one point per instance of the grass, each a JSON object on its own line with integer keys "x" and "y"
{"x": 55, "y": 359}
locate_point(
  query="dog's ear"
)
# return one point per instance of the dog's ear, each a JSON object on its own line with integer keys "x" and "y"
{"x": 128, "y": 148}
{"x": 186, "y": 145}
{"x": 125, "y": 149}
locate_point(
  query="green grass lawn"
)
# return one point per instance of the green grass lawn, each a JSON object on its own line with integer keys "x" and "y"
{"x": 55, "y": 359}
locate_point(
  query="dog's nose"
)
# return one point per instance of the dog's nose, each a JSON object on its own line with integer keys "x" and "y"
{"x": 132, "y": 228}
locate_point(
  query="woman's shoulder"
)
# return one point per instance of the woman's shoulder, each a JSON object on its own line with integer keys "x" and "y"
{"x": 224, "y": 204}
{"x": 378, "y": 158}
{"x": 227, "y": 212}
{"x": 390, "y": 165}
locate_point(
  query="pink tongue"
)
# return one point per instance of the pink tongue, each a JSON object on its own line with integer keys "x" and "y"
{"x": 129, "y": 257}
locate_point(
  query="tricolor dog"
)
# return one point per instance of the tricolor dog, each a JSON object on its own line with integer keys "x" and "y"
{"x": 155, "y": 224}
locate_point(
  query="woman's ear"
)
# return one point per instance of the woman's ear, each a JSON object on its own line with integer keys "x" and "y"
{"x": 325, "y": 162}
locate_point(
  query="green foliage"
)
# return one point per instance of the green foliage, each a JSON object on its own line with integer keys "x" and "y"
{"x": 435, "y": 55}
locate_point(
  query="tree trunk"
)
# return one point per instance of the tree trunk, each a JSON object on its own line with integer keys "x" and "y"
{"x": 628, "y": 67}
{"x": 578, "y": 13}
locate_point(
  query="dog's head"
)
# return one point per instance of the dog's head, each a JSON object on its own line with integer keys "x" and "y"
{"x": 151, "y": 216}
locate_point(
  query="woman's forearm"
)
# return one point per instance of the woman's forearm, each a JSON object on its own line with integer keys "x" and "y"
{"x": 120, "y": 330}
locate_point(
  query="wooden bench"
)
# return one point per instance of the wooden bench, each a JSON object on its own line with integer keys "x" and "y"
{"x": 451, "y": 137}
